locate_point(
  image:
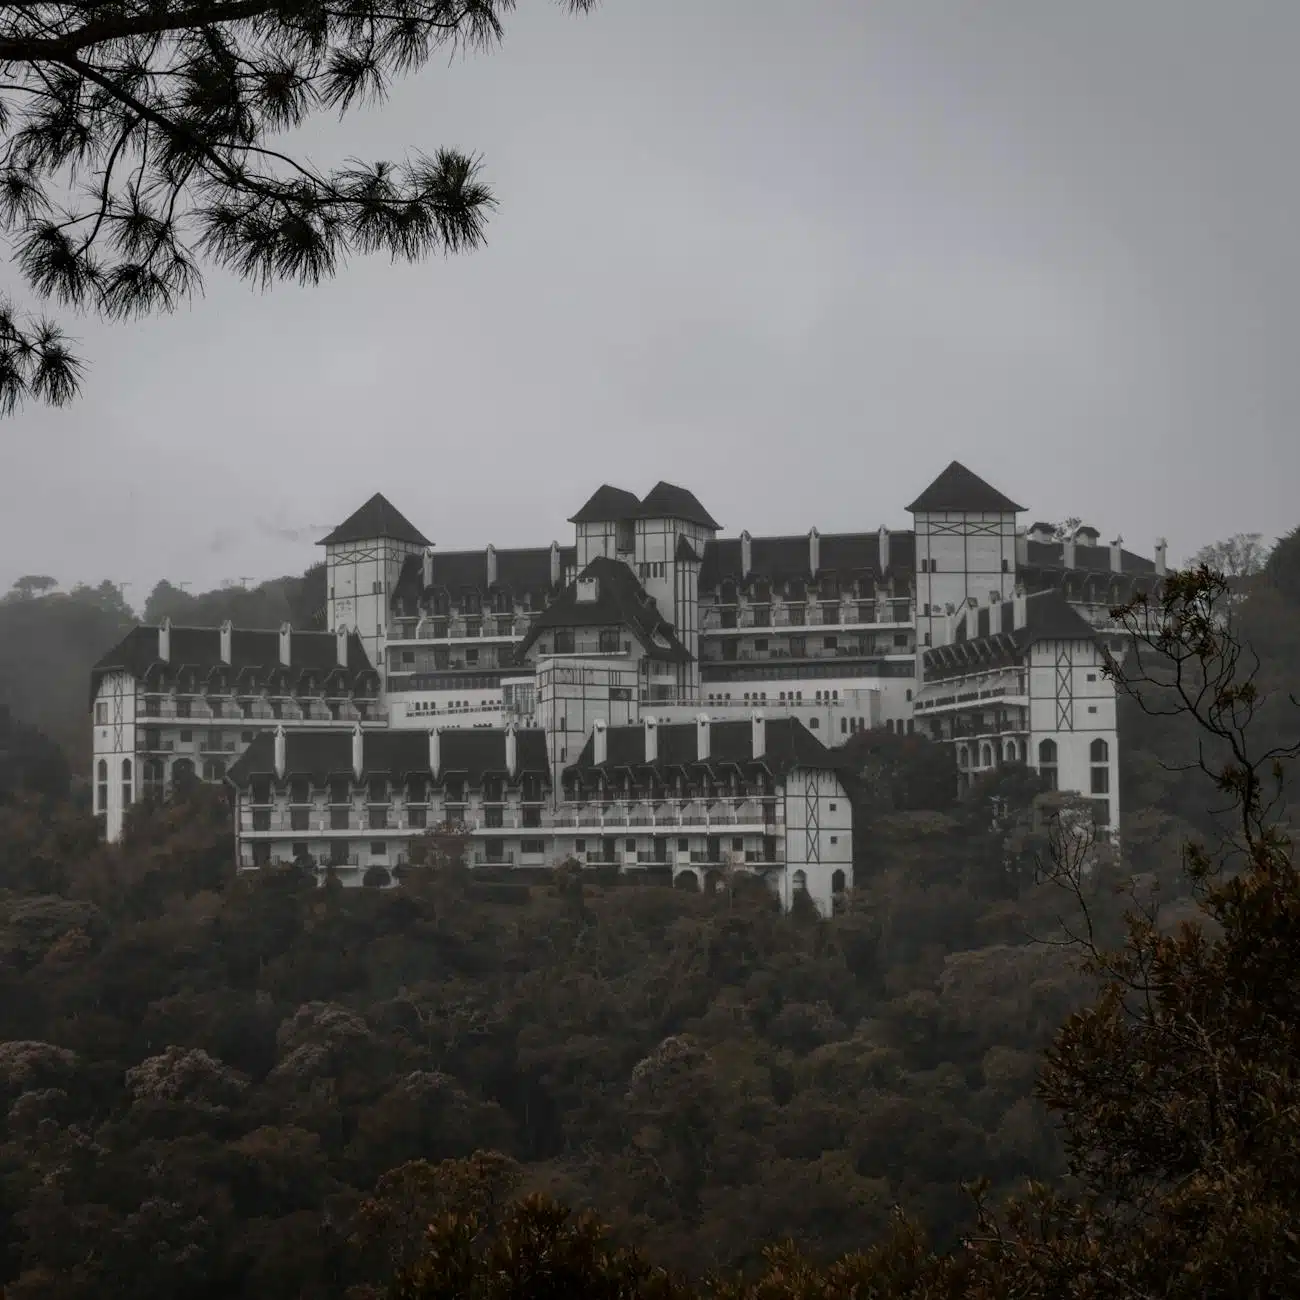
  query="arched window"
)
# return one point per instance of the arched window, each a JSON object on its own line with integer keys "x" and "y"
{"x": 153, "y": 778}
{"x": 101, "y": 787}
{"x": 986, "y": 755}
{"x": 962, "y": 757}
{"x": 837, "y": 882}
{"x": 1099, "y": 754}
{"x": 126, "y": 783}
{"x": 1047, "y": 763}
{"x": 800, "y": 882}
{"x": 1009, "y": 751}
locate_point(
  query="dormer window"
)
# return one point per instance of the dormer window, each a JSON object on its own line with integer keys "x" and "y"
{"x": 588, "y": 591}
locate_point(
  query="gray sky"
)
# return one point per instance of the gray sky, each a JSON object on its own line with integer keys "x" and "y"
{"x": 795, "y": 258}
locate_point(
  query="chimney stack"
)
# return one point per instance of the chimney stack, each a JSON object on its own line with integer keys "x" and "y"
{"x": 286, "y": 645}
{"x": 884, "y": 550}
{"x": 281, "y": 761}
{"x": 491, "y": 565}
{"x": 1067, "y": 553}
{"x": 435, "y": 753}
{"x": 758, "y": 735}
{"x": 427, "y": 567}
{"x": 1020, "y": 611}
{"x": 1117, "y": 555}
{"x": 599, "y": 742}
{"x": 341, "y": 646}
{"x": 555, "y": 564}
{"x": 814, "y": 551}
{"x": 746, "y": 553}
{"x": 702, "y": 749}
{"x": 226, "y": 629}
{"x": 512, "y": 751}
{"x": 1161, "y": 547}
{"x": 651, "y": 740}
{"x": 358, "y": 752}
{"x": 165, "y": 640}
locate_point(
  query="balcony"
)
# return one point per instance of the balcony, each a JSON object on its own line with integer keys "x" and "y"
{"x": 475, "y": 627}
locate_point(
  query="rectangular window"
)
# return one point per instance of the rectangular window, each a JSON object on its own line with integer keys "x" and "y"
{"x": 186, "y": 737}
{"x": 682, "y": 846}
{"x": 101, "y": 713}
{"x": 830, "y": 643}
{"x": 536, "y": 847}
{"x": 378, "y": 849}
{"x": 737, "y": 845}
{"x": 1101, "y": 780}
{"x": 417, "y": 818}
{"x": 261, "y": 819}
{"x": 299, "y": 851}
{"x": 631, "y": 846}
{"x": 300, "y": 819}
{"x": 378, "y": 818}
{"x": 338, "y": 819}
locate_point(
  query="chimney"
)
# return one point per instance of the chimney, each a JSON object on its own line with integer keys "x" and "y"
{"x": 555, "y": 564}
{"x": 599, "y": 742}
{"x": 814, "y": 551}
{"x": 341, "y": 646}
{"x": 512, "y": 751}
{"x": 226, "y": 629}
{"x": 1117, "y": 555}
{"x": 286, "y": 644}
{"x": 746, "y": 559}
{"x": 884, "y": 550}
{"x": 702, "y": 738}
{"x": 1161, "y": 547}
{"x": 427, "y": 573}
{"x": 358, "y": 752}
{"x": 280, "y": 760}
{"x": 1019, "y": 610}
{"x": 165, "y": 640}
{"x": 1067, "y": 553}
{"x": 435, "y": 753}
{"x": 758, "y": 734}
{"x": 651, "y": 740}
{"x": 491, "y": 565}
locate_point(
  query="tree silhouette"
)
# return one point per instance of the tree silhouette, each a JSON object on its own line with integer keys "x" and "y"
{"x": 137, "y": 141}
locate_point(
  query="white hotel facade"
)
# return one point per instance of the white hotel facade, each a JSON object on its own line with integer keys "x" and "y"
{"x": 654, "y": 697}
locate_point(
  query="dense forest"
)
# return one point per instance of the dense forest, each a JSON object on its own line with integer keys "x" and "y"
{"x": 220, "y": 1087}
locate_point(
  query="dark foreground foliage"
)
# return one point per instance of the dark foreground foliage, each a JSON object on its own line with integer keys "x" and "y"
{"x": 221, "y": 1087}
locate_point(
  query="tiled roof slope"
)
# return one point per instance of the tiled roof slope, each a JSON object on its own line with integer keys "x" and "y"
{"x": 377, "y": 518}
{"x": 958, "y": 488}
{"x": 471, "y": 752}
{"x": 620, "y": 601}
{"x": 524, "y": 570}
{"x": 1048, "y": 617}
{"x": 668, "y": 501}
{"x": 607, "y": 505}
{"x": 784, "y": 559}
{"x": 787, "y": 744}
{"x": 1051, "y": 555}
{"x": 199, "y": 648}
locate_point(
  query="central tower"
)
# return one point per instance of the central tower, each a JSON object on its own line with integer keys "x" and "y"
{"x": 965, "y": 548}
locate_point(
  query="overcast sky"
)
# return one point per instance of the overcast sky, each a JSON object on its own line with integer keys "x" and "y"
{"x": 794, "y": 257}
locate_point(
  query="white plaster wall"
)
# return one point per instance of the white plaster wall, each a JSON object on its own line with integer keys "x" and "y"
{"x": 114, "y": 743}
{"x": 829, "y": 846}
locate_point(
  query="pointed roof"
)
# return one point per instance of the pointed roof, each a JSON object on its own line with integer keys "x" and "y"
{"x": 607, "y": 505}
{"x": 377, "y": 518}
{"x": 957, "y": 488}
{"x": 668, "y": 501}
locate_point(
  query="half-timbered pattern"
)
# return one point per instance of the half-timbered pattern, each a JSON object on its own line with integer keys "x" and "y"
{"x": 983, "y": 633}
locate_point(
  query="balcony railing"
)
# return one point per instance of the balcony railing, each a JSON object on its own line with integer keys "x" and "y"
{"x": 851, "y": 613}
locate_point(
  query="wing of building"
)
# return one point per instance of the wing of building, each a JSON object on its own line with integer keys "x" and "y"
{"x": 653, "y": 695}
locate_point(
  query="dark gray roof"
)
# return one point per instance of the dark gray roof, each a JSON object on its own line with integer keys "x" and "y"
{"x": 471, "y": 752}
{"x": 199, "y": 648}
{"x": 377, "y": 518}
{"x": 523, "y": 570}
{"x": 957, "y": 488}
{"x": 620, "y": 601}
{"x": 1051, "y": 555}
{"x": 668, "y": 501}
{"x": 991, "y": 630}
{"x": 685, "y": 553}
{"x": 607, "y": 505}
{"x": 787, "y": 743}
{"x": 783, "y": 559}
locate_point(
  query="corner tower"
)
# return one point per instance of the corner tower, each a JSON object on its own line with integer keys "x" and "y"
{"x": 965, "y": 548}
{"x": 363, "y": 559}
